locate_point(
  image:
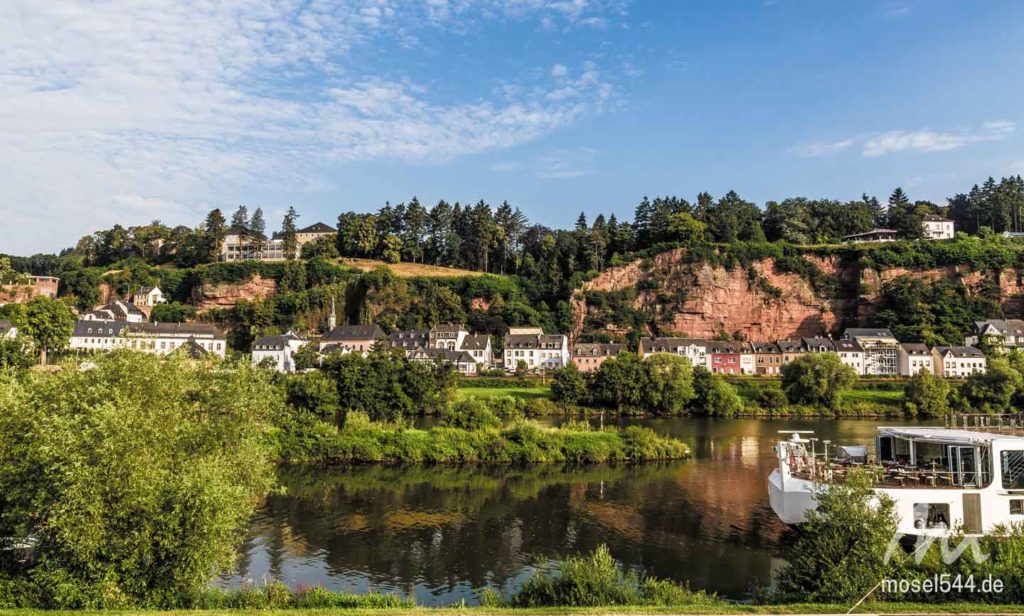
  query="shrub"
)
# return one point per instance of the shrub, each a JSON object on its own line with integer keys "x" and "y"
{"x": 598, "y": 580}
{"x": 135, "y": 479}
{"x": 469, "y": 414}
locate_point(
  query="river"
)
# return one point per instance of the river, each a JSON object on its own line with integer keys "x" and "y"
{"x": 443, "y": 533}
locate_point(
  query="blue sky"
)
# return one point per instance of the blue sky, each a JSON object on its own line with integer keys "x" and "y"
{"x": 114, "y": 112}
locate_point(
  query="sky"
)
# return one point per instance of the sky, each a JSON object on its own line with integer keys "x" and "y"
{"x": 117, "y": 111}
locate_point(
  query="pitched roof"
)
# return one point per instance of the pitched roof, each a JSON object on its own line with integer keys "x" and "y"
{"x": 443, "y": 355}
{"x": 205, "y": 330}
{"x": 848, "y": 346}
{"x": 476, "y": 342}
{"x": 728, "y": 346}
{"x": 867, "y": 332}
{"x": 146, "y": 290}
{"x": 597, "y": 349}
{"x": 765, "y": 347}
{"x": 960, "y": 351}
{"x": 935, "y": 218}
{"x": 448, "y": 328}
{"x": 354, "y": 332}
{"x": 274, "y": 343}
{"x": 101, "y": 329}
{"x": 408, "y": 339}
{"x": 533, "y": 341}
{"x": 318, "y": 228}
{"x": 668, "y": 345}
{"x": 915, "y": 348}
{"x": 791, "y": 346}
{"x": 816, "y": 343}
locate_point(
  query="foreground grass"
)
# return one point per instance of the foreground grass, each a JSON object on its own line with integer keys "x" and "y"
{"x": 723, "y": 608}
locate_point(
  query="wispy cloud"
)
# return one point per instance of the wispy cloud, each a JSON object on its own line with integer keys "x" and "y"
{"x": 505, "y": 166}
{"x": 933, "y": 141}
{"x": 821, "y": 148}
{"x": 924, "y": 140}
{"x": 111, "y": 111}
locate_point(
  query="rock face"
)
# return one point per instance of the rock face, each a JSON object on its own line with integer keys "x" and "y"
{"x": 759, "y": 303}
{"x": 207, "y": 296}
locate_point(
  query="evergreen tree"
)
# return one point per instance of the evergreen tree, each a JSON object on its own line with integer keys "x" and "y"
{"x": 240, "y": 221}
{"x": 289, "y": 233}
{"x": 904, "y": 217}
{"x": 214, "y": 230}
{"x": 258, "y": 229}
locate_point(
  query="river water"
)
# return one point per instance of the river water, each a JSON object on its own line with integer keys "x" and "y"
{"x": 443, "y": 533}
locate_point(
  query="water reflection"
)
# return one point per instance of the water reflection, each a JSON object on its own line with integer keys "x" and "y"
{"x": 442, "y": 533}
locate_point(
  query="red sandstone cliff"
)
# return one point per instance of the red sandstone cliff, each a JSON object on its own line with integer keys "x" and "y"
{"x": 207, "y": 296}
{"x": 701, "y": 300}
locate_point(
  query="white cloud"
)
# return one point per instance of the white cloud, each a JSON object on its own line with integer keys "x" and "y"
{"x": 932, "y": 141}
{"x": 820, "y": 148}
{"x": 505, "y": 166}
{"x": 925, "y": 140}
{"x": 559, "y": 70}
{"x": 121, "y": 111}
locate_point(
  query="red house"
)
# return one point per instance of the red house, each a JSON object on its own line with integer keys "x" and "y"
{"x": 726, "y": 357}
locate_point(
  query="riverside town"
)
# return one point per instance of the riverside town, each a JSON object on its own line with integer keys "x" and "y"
{"x": 512, "y": 308}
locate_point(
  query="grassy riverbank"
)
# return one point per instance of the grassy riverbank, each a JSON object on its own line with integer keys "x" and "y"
{"x": 519, "y": 441}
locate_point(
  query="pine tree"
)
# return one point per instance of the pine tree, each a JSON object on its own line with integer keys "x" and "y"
{"x": 904, "y": 217}
{"x": 289, "y": 234}
{"x": 213, "y": 228}
{"x": 878, "y": 213}
{"x": 258, "y": 229}
{"x": 240, "y": 221}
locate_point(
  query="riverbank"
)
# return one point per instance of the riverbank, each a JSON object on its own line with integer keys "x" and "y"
{"x": 517, "y": 442}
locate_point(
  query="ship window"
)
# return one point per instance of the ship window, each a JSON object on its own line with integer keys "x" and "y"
{"x": 1016, "y": 506}
{"x": 1013, "y": 469}
{"x": 931, "y": 515}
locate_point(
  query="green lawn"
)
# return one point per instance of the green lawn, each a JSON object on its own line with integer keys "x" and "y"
{"x": 874, "y": 396}
{"x": 518, "y": 392}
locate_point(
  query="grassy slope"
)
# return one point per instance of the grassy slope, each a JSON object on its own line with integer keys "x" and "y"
{"x": 408, "y": 270}
{"x": 724, "y": 608}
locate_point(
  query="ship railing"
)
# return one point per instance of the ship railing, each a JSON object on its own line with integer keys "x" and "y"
{"x": 893, "y": 476}
{"x": 1011, "y": 424}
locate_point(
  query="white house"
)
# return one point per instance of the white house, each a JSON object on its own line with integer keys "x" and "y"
{"x": 156, "y": 338}
{"x": 850, "y": 354}
{"x": 958, "y": 361}
{"x": 278, "y": 350}
{"x": 479, "y": 348}
{"x": 463, "y": 361}
{"x": 915, "y": 358}
{"x": 937, "y": 227}
{"x": 147, "y": 297}
{"x": 116, "y": 311}
{"x": 8, "y": 330}
{"x": 537, "y": 351}
{"x": 694, "y": 349}
{"x": 238, "y": 247}
{"x": 1008, "y": 333}
{"x": 874, "y": 235}
{"x": 881, "y": 349}
{"x": 447, "y": 336}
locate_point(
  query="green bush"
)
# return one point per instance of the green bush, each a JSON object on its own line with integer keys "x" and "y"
{"x": 469, "y": 414}
{"x": 597, "y": 580}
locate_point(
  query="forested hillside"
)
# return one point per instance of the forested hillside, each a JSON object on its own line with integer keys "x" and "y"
{"x": 712, "y": 267}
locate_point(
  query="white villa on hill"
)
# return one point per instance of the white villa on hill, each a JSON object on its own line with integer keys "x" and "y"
{"x": 537, "y": 351}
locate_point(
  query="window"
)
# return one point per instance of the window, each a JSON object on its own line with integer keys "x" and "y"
{"x": 931, "y": 515}
{"x": 1016, "y": 506}
{"x": 1013, "y": 469}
